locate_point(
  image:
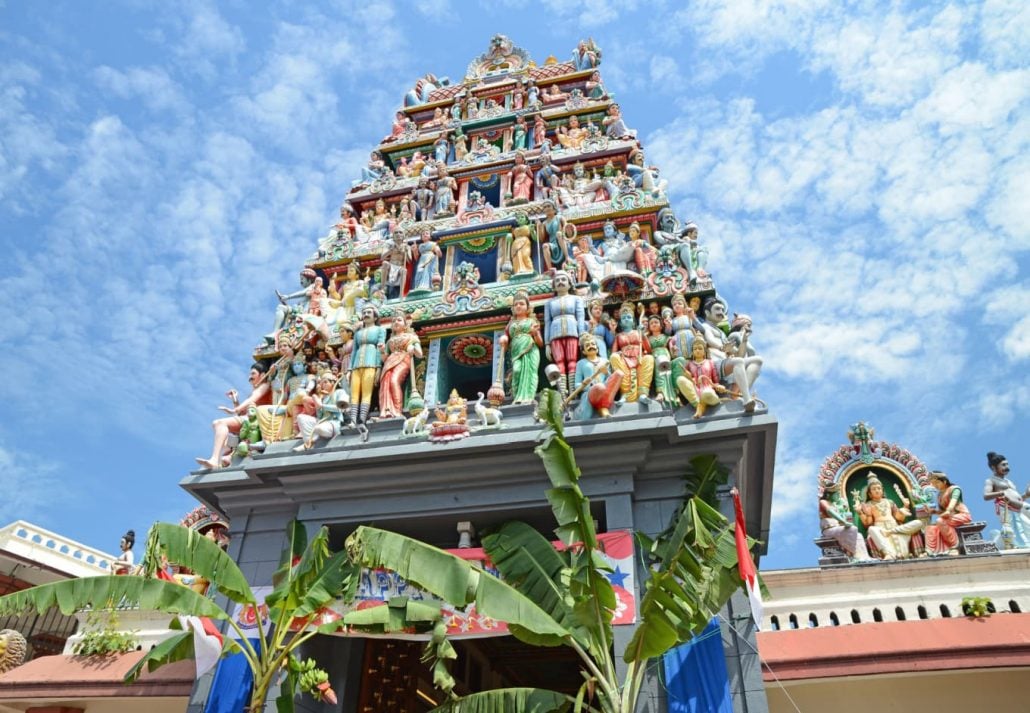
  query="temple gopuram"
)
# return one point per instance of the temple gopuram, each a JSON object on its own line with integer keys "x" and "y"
{"x": 914, "y": 598}
{"x": 507, "y": 235}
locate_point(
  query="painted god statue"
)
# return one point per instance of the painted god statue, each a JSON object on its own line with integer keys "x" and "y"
{"x": 889, "y": 528}
{"x": 1012, "y": 507}
{"x": 426, "y": 255}
{"x": 572, "y": 135}
{"x": 366, "y": 361}
{"x": 522, "y": 341}
{"x": 261, "y": 394}
{"x": 630, "y": 355}
{"x": 400, "y": 352}
{"x": 552, "y": 234}
{"x": 835, "y": 521}
{"x": 322, "y": 417}
{"x": 697, "y": 378}
{"x": 595, "y": 381}
{"x": 941, "y": 536}
{"x": 564, "y": 322}
{"x": 521, "y": 180}
{"x": 521, "y": 249}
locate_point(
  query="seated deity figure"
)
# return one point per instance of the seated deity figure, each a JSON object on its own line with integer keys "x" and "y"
{"x": 1013, "y": 509}
{"x": 888, "y": 527}
{"x": 835, "y": 521}
{"x": 630, "y": 356}
{"x": 573, "y": 135}
{"x": 260, "y": 395}
{"x": 738, "y": 370}
{"x": 581, "y": 189}
{"x": 615, "y": 126}
{"x": 697, "y": 378}
{"x": 617, "y": 251}
{"x": 376, "y": 168}
{"x": 941, "y": 536}
{"x": 602, "y": 384}
{"x": 289, "y": 387}
{"x": 345, "y": 291}
{"x": 321, "y": 419}
{"x": 645, "y": 177}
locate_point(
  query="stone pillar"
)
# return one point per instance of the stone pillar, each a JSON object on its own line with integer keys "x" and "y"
{"x": 430, "y": 388}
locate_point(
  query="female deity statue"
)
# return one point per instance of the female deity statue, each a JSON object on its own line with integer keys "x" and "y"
{"x": 683, "y": 319}
{"x": 629, "y": 355}
{"x": 564, "y": 321}
{"x": 572, "y": 136}
{"x": 400, "y": 351}
{"x": 461, "y": 146}
{"x": 645, "y": 257}
{"x": 456, "y": 109}
{"x": 614, "y": 126}
{"x": 539, "y": 130}
{"x": 400, "y": 120}
{"x": 438, "y": 118}
{"x": 471, "y": 108}
{"x": 519, "y": 134}
{"x": 532, "y": 93}
{"x": 521, "y": 180}
{"x": 698, "y": 378}
{"x": 365, "y": 362}
{"x": 522, "y": 340}
{"x": 417, "y": 164}
{"x": 522, "y": 246}
{"x": 835, "y": 521}
{"x": 551, "y": 231}
{"x": 941, "y": 537}
{"x": 426, "y": 255}
{"x": 589, "y": 263}
{"x": 599, "y": 325}
{"x": 441, "y": 149}
{"x": 889, "y": 535}
{"x": 595, "y": 88}
{"x": 658, "y": 343}
{"x": 344, "y": 292}
{"x": 376, "y": 168}
{"x": 445, "y": 188}
{"x": 518, "y": 97}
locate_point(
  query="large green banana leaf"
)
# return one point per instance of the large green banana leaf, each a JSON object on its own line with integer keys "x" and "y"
{"x": 509, "y": 700}
{"x": 177, "y": 647}
{"x": 202, "y": 556}
{"x": 398, "y": 614}
{"x": 110, "y": 591}
{"x": 456, "y": 581}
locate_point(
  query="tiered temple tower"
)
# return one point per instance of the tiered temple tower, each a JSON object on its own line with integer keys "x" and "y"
{"x": 508, "y": 234}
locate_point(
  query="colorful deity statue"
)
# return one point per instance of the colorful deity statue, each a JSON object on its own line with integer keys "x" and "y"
{"x": 1013, "y": 509}
{"x": 366, "y": 361}
{"x": 520, "y": 135}
{"x": 547, "y": 178}
{"x": 630, "y": 355}
{"x": 521, "y": 249}
{"x": 645, "y": 257}
{"x": 441, "y": 149}
{"x": 697, "y": 378}
{"x": 446, "y": 187}
{"x": 587, "y": 55}
{"x": 889, "y": 528}
{"x": 835, "y": 520}
{"x": 522, "y": 341}
{"x": 539, "y": 131}
{"x": 941, "y": 536}
{"x": 552, "y": 235}
{"x": 597, "y": 383}
{"x": 645, "y": 177}
{"x": 322, "y": 416}
{"x": 658, "y": 344}
{"x": 400, "y": 352}
{"x": 452, "y": 420}
{"x": 375, "y": 168}
{"x": 250, "y": 439}
{"x": 614, "y": 125}
{"x": 595, "y": 87}
{"x": 345, "y": 291}
{"x": 461, "y": 146}
{"x": 564, "y": 321}
{"x": 572, "y": 135}
{"x": 521, "y": 180}
{"x": 426, "y": 255}
{"x": 600, "y": 325}
{"x": 260, "y": 395}
{"x": 737, "y": 363}
{"x": 395, "y": 267}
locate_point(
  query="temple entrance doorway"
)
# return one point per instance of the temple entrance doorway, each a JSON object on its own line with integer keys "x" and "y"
{"x": 394, "y": 680}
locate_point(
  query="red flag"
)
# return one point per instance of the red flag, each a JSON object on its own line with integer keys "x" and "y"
{"x": 745, "y": 564}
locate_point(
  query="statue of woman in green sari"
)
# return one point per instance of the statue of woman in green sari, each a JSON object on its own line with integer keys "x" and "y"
{"x": 522, "y": 340}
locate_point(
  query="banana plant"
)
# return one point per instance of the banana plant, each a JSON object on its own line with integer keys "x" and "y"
{"x": 564, "y": 598}
{"x": 309, "y": 578}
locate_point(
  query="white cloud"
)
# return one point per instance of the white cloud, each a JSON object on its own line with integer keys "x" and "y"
{"x": 27, "y": 482}
{"x": 152, "y": 84}
{"x": 1004, "y": 27}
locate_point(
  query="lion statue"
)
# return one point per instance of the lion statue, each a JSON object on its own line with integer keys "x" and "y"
{"x": 12, "y": 649}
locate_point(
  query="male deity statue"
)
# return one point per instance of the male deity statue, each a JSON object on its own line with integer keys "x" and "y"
{"x": 564, "y": 321}
{"x": 836, "y": 521}
{"x": 1012, "y": 508}
{"x": 736, "y": 366}
{"x": 365, "y": 363}
{"x": 602, "y": 384}
{"x": 395, "y": 266}
{"x": 629, "y": 357}
{"x": 889, "y": 528}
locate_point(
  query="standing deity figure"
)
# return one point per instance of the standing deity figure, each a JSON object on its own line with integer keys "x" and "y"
{"x": 395, "y": 267}
{"x": 471, "y": 107}
{"x": 399, "y": 354}
{"x": 518, "y": 96}
{"x": 594, "y": 374}
{"x": 684, "y": 242}
{"x": 521, "y": 249}
{"x": 551, "y": 234}
{"x": 587, "y": 55}
{"x": 630, "y": 356}
{"x": 888, "y": 527}
{"x": 461, "y": 145}
{"x": 539, "y": 131}
{"x": 697, "y": 378}
{"x": 425, "y": 199}
{"x": 446, "y": 186}
{"x": 1011, "y": 507}
{"x": 658, "y": 345}
{"x": 614, "y": 125}
{"x": 645, "y": 257}
{"x": 564, "y": 321}
{"x": 600, "y": 325}
{"x": 547, "y": 178}
{"x": 522, "y": 341}
{"x": 595, "y": 87}
{"x": 427, "y": 256}
{"x": 456, "y": 109}
{"x": 572, "y": 136}
{"x": 683, "y": 326}
{"x": 322, "y": 416}
{"x": 260, "y": 395}
{"x": 835, "y": 521}
{"x": 441, "y": 149}
{"x": 520, "y": 134}
{"x": 365, "y": 363}
{"x": 521, "y": 180}
{"x": 532, "y": 93}
{"x": 941, "y": 536}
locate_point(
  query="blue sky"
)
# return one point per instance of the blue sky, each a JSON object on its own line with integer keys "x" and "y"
{"x": 860, "y": 175}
